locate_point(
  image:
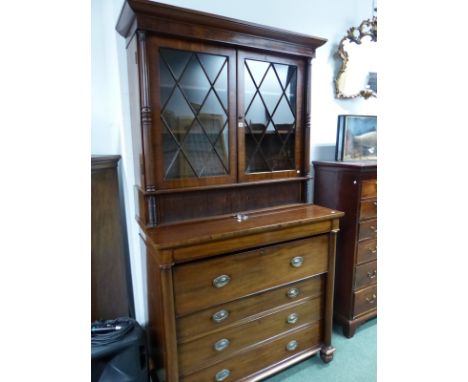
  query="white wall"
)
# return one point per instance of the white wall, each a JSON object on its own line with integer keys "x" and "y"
{"x": 110, "y": 111}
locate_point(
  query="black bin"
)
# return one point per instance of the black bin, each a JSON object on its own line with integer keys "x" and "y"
{"x": 122, "y": 361}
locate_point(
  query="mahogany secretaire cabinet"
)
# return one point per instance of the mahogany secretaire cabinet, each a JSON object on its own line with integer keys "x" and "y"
{"x": 240, "y": 264}
{"x": 352, "y": 187}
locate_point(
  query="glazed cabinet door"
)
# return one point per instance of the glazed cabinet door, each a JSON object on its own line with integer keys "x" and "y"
{"x": 270, "y": 116}
{"x": 193, "y": 96}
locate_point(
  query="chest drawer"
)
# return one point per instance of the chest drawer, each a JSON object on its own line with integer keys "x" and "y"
{"x": 368, "y": 230}
{"x": 207, "y": 283}
{"x": 269, "y": 353}
{"x": 221, "y": 316}
{"x": 220, "y": 345}
{"x": 366, "y": 274}
{"x": 368, "y": 209}
{"x": 366, "y": 251}
{"x": 365, "y": 300}
{"x": 369, "y": 188}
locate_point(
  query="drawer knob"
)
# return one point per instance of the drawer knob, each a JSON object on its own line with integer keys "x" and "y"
{"x": 293, "y": 318}
{"x": 371, "y": 300}
{"x": 292, "y": 345}
{"x": 220, "y": 316}
{"x": 221, "y": 344}
{"x": 375, "y": 204}
{"x": 373, "y": 228}
{"x": 372, "y": 275}
{"x": 297, "y": 261}
{"x": 221, "y": 281}
{"x": 372, "y": 251}
{"x": 222, "y": 375}
{"x": 293, "y": 292}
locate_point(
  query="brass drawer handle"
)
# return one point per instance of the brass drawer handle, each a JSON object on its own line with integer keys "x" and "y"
{"x": 221, "y": 281}
{"x": 371, "y": 301}
{"x": 220, "y": 316}
{"x": 293, "y": 318}
{"x": 375, "y": 204}
{"x": 297, "y": 261}
{"x": 221, "y": 344}
{"x": 372, "y": 275}
{"x": 293, "y": 292}
{"x": 373, "y": 228}
{"x": 292, "y": 345}
{"x": 372, "y": 251}
{"x": 222, "y": 375}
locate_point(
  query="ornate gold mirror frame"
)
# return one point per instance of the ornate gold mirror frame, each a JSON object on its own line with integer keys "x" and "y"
{"x": 355, "y": 77}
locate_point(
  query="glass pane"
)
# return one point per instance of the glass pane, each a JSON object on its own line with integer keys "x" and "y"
{"x": 194, "y": 84}
{"x": 194, "y": 114}
{"x": 176, "y": 60}
{"x": 270, "y": 119}
{"x": 257, "y": 70}
{"x": 212, "y": 117}
{"x": 271, "y": 90}
{"x": 177, "y": 115}
{"x": 166, "y": 82}
{"x": 212, "y": 64}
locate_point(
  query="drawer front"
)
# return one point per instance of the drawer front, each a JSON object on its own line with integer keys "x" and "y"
{"x": 368, "y": 230}
{"x": 367, "y": 250}
{"x": 365, "y": 300}
{"x": 368, "y": 209}
{"x": 365, "y": 275}
{"x": 219, "y": 317}
{"x": 220, "y": 345}
{"x": 369, "y": 188}
{"x": 245, "y": 364}
{"x": 207, "y": 283}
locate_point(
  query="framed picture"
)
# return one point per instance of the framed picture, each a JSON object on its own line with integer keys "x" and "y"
{"x": 356, "y": 138}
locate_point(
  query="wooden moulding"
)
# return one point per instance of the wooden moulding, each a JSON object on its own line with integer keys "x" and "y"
{"x": 186, "y": 23}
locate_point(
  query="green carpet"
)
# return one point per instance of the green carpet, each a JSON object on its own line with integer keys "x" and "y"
{"x": 355, "y": 360}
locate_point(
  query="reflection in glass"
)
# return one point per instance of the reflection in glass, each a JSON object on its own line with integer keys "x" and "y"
{"x": 269, "y": 109}
{"x": 194, "y": 102}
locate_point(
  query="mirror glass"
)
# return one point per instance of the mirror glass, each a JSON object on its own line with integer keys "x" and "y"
{"x": 357, "y": 76}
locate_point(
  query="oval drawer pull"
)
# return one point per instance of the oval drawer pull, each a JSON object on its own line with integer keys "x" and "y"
{"x": 221, "y": 281}
{"x": 292, "y": 345}
{"x": 293, "y": 318}
{"x": 371, "y": 300}
{"x": 222, "y": 375}
{"x": 297, "y": 261}
{"x": 293, "y": 292}
{"x": 372, "y": 275}
{"x": 221, "y": 344}
{"x": 220, "y": 316}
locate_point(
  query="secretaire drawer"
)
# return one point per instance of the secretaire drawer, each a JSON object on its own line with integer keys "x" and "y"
{"x": 368, "y": 209}
{"x": 216, "y": 318}
{"x": 368, "y": 230}
{"x": 365, "y": 300}
{"x": 366, "y": 274}
{"x": 369, "y": 188}
{"x": 367, "y": 250}
{"x": 260, "y": 357}
{"x": 208, "y": 283}
{"x": 220, "y": 345}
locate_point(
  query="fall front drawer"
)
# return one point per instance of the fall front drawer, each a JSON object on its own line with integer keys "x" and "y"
{"x": 259, "y": 357}
{"x": 207, "y": 283}
{"x": 219, "y": 345}
{"x": 214, "y": 319}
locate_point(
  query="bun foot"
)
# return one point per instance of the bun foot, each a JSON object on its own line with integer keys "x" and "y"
{"x": 326, "y": 354}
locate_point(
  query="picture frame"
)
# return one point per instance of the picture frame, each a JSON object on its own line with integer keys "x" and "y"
{"x": 356, "y": 138}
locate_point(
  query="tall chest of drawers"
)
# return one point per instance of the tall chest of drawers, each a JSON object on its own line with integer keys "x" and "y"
{"x": 237, "y": 300}
{"x": 352, "y": 188}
